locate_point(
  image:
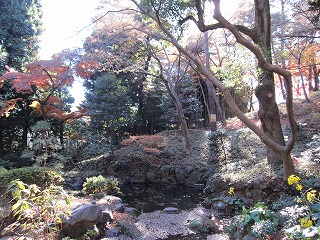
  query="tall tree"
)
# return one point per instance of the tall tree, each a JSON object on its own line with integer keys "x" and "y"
{"x": 41, "y": 91}
{"x": 21, "y": 27}
{"x": 259, "y": 45}
{"x": 108, "y": 103}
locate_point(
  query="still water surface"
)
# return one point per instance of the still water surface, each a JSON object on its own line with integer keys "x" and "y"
{"x": 151, "y": 197}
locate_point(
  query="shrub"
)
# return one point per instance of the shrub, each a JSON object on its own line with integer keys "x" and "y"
{"x": 259, "y": 220}
{"x": 38, "y": 213}
{"x": 14, "y": 160}
{"x": 41, "y": 176}
{"x": 2, "y": 170}
{"x": 100, "y": 184}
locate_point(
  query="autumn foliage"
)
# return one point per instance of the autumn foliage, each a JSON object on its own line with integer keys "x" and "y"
{"x": 42, "y": 82}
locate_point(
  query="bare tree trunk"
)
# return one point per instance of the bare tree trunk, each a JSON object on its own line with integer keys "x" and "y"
{"x": 212, "y": 114}
{"x": 310, "y": 79}
{"x": 282, "y": 46}
{"x": 265, "y": 92}
{"x": 25, "y": 124}
{"x": 316, "y": 78}
{"x": 210, "y": 88}
{"x": 269, "y": 113}
{"x": 184, "y": 126}
{"x": 302, "y": 82}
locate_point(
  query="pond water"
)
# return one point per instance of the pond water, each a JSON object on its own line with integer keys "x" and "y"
{"x": 151, "y": 197}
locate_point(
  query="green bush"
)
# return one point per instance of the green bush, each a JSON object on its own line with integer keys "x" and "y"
{"x": 94, "y": 149}
{"x": 14, "y": 160}
{"x": 41, "y": 176}
{"x": 100, "y": 184}
{"x": 2, "y": 170}
{"x": 260, "y": 221}
{"x": 257, "y": 221}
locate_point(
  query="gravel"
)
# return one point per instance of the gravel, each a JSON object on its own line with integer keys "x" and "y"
{"x": 160, "y": 225}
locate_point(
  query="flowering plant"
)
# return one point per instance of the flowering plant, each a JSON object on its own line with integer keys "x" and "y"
{"x": 309, "y": 225}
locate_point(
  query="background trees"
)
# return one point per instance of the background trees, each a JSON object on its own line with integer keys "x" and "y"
{"x": 260, "y": 35}
{"x": 19, "y": 34}
{"x": 21, "y": 27}
{"x": 131, "y": 68}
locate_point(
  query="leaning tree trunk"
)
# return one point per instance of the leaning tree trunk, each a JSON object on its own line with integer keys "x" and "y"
{"x": 265, "y": 92}
{"x": 184, "y": 126}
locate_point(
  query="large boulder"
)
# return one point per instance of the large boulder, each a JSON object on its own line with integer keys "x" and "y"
{"x": 81, "y": 218}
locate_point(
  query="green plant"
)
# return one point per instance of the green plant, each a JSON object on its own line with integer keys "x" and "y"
{"x": 41, "y": 176}
{"x": 100, "y": 184}
{"x": 167, "y": 170}
{"x": 94, "y": 149}
{"x": 37, "y": 212}
{"x": 124, "y": 229}
{"x": 259, "y": 220}
{"x": 2, "y": 170}
{"x": 283, "y": 202}
{"x": 233, "y": 204}
{"x": 263, "y": 228}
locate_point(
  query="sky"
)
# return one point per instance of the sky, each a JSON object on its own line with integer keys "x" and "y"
{"x": 62, "y": 20}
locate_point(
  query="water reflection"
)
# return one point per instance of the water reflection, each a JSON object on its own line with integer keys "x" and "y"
{"x": 151, "y": 197}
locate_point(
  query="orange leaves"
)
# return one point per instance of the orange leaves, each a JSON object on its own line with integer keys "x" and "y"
{"x": 52, "y": 73}
{"x": 69, "y": 118}
{"x": 6, "y": 106}
{"x": 21, "y": 82}
{"x": 42, "y": 83}
{"x": 85, "y": 69}
{"x": 43, "y": 75}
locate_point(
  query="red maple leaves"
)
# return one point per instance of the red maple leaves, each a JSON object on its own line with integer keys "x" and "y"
{"x": 42, "y": 82}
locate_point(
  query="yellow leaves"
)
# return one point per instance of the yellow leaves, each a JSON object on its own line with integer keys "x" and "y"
{"x": 35, "y": 104}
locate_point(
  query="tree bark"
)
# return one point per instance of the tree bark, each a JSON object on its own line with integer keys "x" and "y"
{"x": 265, "y": 92}
{"x": 302, "y": 82}
{"x": 210, "y": 88}
{"x": 316, "y": 78}
{"x": 25, "y": 124}
{"x": 184, "y": 126}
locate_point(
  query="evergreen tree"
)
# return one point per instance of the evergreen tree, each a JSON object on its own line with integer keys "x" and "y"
{"x": 108, "y": 103}
{"x": 21, "y": 26}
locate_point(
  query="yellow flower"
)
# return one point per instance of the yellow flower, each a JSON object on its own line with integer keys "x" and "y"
{"x": 292, "y": 179}
{"x": 305, "y": 223}
{"x": 299, "y": 200}
{"x": 311, "y": 195}
{"x": 299, "y": 187}
{"x": 231, "y": 191}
